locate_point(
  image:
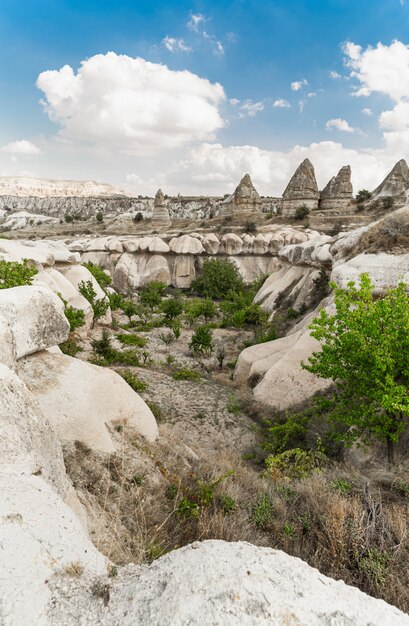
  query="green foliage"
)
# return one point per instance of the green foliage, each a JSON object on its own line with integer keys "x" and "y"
{"x": 233, "y": 405}
{"x": 375, "y": 566}
{"x": 130, "y": 308}
{"x": 167, "y": 338}
{"x": 75, "y": 317}
{"x": 219, "y": 276}
{"x": 228, "y": 504}
{"x": 14, "y": 274}
{"x": 185, "y": 374}
{"x": 388, "y": 203}
{"x": 363, "y": 195}
{"x": 401, "y": 487}
{"x": 103, "y": 279}
{"x": 132, "y": 340}
{"x": 115, "y": 301}
{"x": 134, "y": 382}
{"x": 262, "y": 511}
{"x": 176, "y": 328}
{"x": 151, "y": 294}
{"x": 287, "y": 431}
{"x": 110, "y": 356}
{"x": 202, "y": 340}
{"x": 156, "y": 410}
{"x": 201, "y": 496}
{"x": 187, "y": 508}
{"x": 302, "y": 212}
{"x": 365, "y": 351}
{"x": 103, "y": 346}
{"x": 289, "y": 531}
{"x": 295, "y": 463}
{"x": 250, "y": 227}
{"x": 205, "y": 308}
{"x": 68, "y": 218}
{"x": 342, "y": 486}
{"x": 99, "y": 306}
{"x": 220, "y": 355}
{"x": 70, "y": 347}
{"x": 99, "y": 217}
{"x": 172, "y": 308}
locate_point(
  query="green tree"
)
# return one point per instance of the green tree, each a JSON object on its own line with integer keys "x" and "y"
{"x": 202, "y": 340}
{"x": 99, "y": 306}
{"x": 14, "y": 274}
{"x": 363, "y": 195}
{"x": 103, "y": 279}
{"x": 205, "y": 308}
{"x": 130, "y": 308}
{"x": 151, "y": 294}
{"x": 219, "y": 277}
{"x": 365, "y": 351}
{"x": 172, "y": 308}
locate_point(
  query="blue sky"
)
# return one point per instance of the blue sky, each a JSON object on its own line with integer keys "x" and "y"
{"x": 263, "y": 78}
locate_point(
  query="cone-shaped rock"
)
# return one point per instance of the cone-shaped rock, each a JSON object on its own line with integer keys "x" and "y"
{"x": 396, "y": 183}
{"x": 338, "y": 192}
{"x": 245, "y": 199}
{"x": 301, "y": 190}
{"x": 160, "y": 210}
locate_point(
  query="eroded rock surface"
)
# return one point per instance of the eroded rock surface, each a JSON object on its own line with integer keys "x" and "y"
{"x": 301, "y": 190}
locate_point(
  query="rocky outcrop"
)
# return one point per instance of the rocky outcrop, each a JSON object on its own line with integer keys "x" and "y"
{"x": 385, "y": 270}
{"x": 244, "y": 202}
{"x": 160, "y": 212}
{"x": 337, "y": 195}
{"x": 396, "y": 184}
{"x": 301, "y": 190}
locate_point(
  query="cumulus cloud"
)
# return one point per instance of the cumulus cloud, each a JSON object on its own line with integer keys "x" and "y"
{"x": 383, "y": 69}
{"x": 334, "y": 75}
{"x": 299, "y": 84}
{"x": 131, "y": 104}
{"x": 339, "y": 124}
{"x": 174, "y": 44}
{"x": 250, "y": 108}
{"x": 195, "y": 22}
{"x": 21, "y": 147}
{"x": 366, "y": 111}
{"x": 281, "y": 104}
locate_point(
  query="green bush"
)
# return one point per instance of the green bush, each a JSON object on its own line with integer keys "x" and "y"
{"x": 288, "y": 432}
{"x": 262, "y": 511}
{"x": 295, "y": 463}
{"x": 99, "y": 306}
{"x": 70, "y": 347}
{"x": 134, "y": 382}
{"x": 132, "y": 340}
{"x": 99, "y": 217}
{"x": 302, "y": 212}
{"x": 14, "y": 274}
{"x": 172, "y": 308}
{"x": 103, "y": 279}
{"x": 75, "y": 317}
{"x": 363, "y": 195}
{"x": 202, "y": 308}
{"x": 115, "y": 300}
{"x": 342, "y": 486}
{"x": 130, "y": 308}
{"x": 185, "y": 374}
{"x": 202, "y": 340}
{"x": 151, "y": 294}
{"x": 219, "y": 276}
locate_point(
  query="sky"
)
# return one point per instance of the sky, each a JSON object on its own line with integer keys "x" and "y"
{"x": 189, "y": 96}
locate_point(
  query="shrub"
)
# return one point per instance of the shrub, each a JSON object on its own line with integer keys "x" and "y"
{"x": 115, "y": 301}
{"x": 233, "y": 405}
{"x": 151, "y": 294}
{"x": 295, "y": 463}
{"x": 363, "y": 195}
{"x": 302, "y": 212}
{"x": 172, "y": 308}
{"x": 288, "y": 431}
{"x": 342, "y": 486}
{"x": 76, "y": 317}
{"x": 156, "y": 409}
{"x": 68, "y": 218}
{"x": 134, "y": 382}
{"x": 138, "y": 217}
{"x": 167, "y": 338}
{"x": 262, "y": 511}
{"x": 220, "y": 355}
{"x": 388, "y": 203}
{"x": 202, "y": 340}
{"x": 185, "y": 374}
{"x": 103, "y": 279}
{"x": 99, "y": 217}
{"x": 130, "y": 308}
{"x": 103, "y": 346}
{"x": 250, "y": 227}
{"x": 219, "y": 277}
{"x": 70, "y": 347}
{"x": 99, "y": 306}
{"x": 205, "y": 308}
{"x": 14, "y": 274}
{"x": 132, "y": 340}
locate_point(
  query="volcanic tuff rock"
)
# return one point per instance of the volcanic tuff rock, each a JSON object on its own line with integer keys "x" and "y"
{"x": 160, "y": 210}
{"x": 396, "y": 183}
{"x": 301, "y": 190}
{"x": 245, "y": 199}
{"x": 338, "y": 192}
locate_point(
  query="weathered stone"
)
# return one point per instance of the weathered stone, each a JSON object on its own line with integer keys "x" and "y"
{"x": 301, "y": 190}
{"x": 160, "y": 209}
{"x": 337, "y": 195}
{"x": 244, "y": 201}
{"x": 395, "y": 184}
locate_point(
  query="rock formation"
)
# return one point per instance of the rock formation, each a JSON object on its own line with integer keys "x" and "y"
{"x": 337, "y": 195}
{"x": 244, "y": 202}
{"x": 301, "y": 190}
{"x": 396, "y": 184}
{"x": 160, "y": 213}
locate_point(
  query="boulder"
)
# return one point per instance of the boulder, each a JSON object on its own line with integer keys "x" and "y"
{"x": 231, "y": 244}
{"x": 77, "y": 274}
{"x": 81, "y": 400}
{"x": 211, "y": 243}
{"x": 158, "y": 245}
{"x": 17, "y": 251}
{"x": 301, "y": 190}
{"x": 396, "y": 183}
{"x": 35, "y": 316}
{"x": 338, "y": 193}
{"x": 385, "y": 270}
{"x": 186, "y": 245}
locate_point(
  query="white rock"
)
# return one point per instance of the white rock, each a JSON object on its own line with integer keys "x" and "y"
{"x": 232, "y": 244}
{"x": 82, "y": 400}
{"x": 158, "y": 245}
{"x": 186, "y": 245}
{"x": 17, "y": 251}
{"x": 35, "y": 316}
{"x": 77, "y": 274}
{"x": 385, "y": 270}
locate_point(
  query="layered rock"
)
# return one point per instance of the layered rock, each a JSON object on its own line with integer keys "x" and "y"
{"x": 301, "y": 190}
{"x": 396, "y": 183}
{"x": 244, "y": 202}
{"x": 160, "y": 210}
{"x": 338, "y": 194}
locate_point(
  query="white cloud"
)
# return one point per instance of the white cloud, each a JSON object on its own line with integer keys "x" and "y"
{"x": 383, "y": 69}
{"x": 339, "y": 124}
{"x": 366, "y": 111}
{"x": 250, "y": 108}
{"x": 21, "y": 147}
{"x": 196, "y": 20}
{"x": 299, "y": 84}
{"x": 312, "y": 94}
{"x": 334, "y": 75}
{"x": 234, "y": 102}
{"x": 173, "y": 45}
{"x": 131, "y": 104}
{"x": 281, "y": 104}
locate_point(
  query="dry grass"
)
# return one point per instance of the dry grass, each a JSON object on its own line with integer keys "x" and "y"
{"x": 74, "y": 569}
{"x": 391, "y": 234}
{"x": 137, "y": 511}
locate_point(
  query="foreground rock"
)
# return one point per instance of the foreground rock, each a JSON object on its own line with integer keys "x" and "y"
{"x": 222, "y": 584}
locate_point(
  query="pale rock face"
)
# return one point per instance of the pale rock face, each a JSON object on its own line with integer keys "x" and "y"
{"x": 302, "y": 189}
{"x": 245, "y": 200}
{"x": 226, "y": 584}
{"x": 81, "y": 400}
{"x": 78, "y": 274}
{"x": 186, "y": 245}
{"x": 232, "y": 244}
{"x": 284, "y": 279}
{"x": 211, "y": 243}
{"x": 35, "y": 316}
{"x": 23, "y": 219}
{"x": 184, "y": 271}
{"x": 385, "y": 270}
{"x": 17, "y": 251}
{"x": 131, "y": 245}
{"x": 58, "y": 249}
{"x": 311, "y": 252}
{"x": 248, "y": 241}
{"x": 135, "y": 270}
{"x": 39, "y": 535}
{"x": 396, "y": 183}
{"x": 338, "y": 192}
{"x": 160, "y": 209}
{"x": 115, "y": 245}
{"x": 158, "y": 245}
{"x": 260, "y": 244}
